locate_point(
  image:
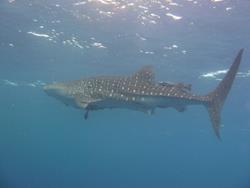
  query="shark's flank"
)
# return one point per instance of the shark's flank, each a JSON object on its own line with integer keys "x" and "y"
{"x": 141, "y": 92}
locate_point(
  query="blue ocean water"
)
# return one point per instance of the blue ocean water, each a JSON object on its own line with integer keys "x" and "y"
{"x": 44, "y": 143}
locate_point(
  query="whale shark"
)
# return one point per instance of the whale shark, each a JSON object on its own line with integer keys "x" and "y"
{"x": 141, "y": 92}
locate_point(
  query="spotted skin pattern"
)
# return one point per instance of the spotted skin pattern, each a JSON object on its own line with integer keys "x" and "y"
{"x": 136, "y": 89}
{"x": 141, "y": 92}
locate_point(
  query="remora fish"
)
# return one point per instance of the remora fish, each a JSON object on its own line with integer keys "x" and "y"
{"x": 141, "y": 92}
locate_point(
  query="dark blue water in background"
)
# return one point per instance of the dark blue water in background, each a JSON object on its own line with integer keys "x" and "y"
{"x": 43, "y": 143}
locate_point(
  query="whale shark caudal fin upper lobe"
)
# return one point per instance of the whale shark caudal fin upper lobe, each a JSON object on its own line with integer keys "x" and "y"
{"x": 219, "y": 95}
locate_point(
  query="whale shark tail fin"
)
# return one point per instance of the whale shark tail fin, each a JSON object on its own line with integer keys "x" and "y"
{"x": 219, "y": 95}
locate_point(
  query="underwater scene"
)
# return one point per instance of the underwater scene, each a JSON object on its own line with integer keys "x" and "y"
{"x": 125, "y": 94}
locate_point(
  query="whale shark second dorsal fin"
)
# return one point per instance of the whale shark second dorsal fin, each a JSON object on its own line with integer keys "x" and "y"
{"x": 145, "y": 74}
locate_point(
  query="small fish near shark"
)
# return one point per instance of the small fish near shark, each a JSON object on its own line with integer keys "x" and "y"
{"x": 141, "y": 92}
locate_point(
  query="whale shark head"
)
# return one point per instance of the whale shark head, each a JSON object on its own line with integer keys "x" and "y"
{"x": 61, "y": 92}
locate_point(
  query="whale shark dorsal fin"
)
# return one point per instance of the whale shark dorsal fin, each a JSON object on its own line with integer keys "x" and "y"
{"x": 145, "y": 74}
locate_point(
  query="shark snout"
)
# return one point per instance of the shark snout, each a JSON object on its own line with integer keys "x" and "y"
{"x": 55, "y": 90}
{"x": 61, "y": 92}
